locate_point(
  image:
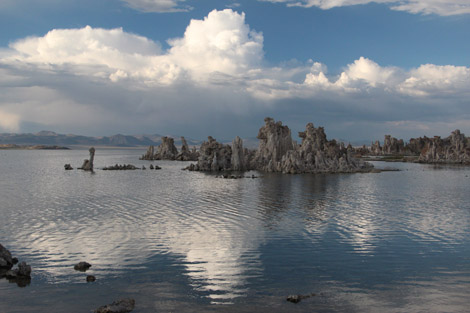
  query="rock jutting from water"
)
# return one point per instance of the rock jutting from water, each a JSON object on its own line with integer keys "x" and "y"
{"x": 186, "y": 154}
{"x": 454, "y": 149}
{"x": 82, "y": 266}
{"x": 277, "y": 152}
{"x": 6, "y": 259}
{"x": 119, "y": 167}
{"x": 88, "y": 164}
{"x": 168, "y": 151}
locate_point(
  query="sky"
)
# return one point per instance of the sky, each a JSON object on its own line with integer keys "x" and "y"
{"x": 360, "y": 68}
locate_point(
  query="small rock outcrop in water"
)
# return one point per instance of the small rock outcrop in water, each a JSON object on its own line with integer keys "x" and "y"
{"x": 454, "y": 149}
{"x": 277, "y": 152}
{"x": 298, "y": 298}
{"x": 82, "y": 266}
{"x": 119, "y": 167}
{"x": 119, "y": 306}
{"x": 21, "y": 275}
{"x": 88, "y": 164}
{"x": 90, "y": 278}
{"x": 68, "y": 167}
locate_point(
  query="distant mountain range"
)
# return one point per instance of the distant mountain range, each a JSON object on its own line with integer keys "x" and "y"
{"x": 52, "y": 138}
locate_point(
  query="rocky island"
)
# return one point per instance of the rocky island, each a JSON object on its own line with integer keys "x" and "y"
{"x": 454, "y": 149}
{"x": 277, "y": 152}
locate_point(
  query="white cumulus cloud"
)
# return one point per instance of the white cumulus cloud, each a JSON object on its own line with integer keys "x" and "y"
{"x": 102, "y": 79}
{"x": 440, "y": 7}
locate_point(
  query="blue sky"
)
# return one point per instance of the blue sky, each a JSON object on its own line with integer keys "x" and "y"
{"x": 360, "y": 68}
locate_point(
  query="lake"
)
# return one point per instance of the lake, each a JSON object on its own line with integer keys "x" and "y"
{"x": 179, "y": 241}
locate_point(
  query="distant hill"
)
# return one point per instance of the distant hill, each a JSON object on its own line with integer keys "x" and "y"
{"x": 119, "y": 140}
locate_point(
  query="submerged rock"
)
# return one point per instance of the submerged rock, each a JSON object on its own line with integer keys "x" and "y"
{"x": 298, "y": 298}
{"x": 119, "y": 306}
{"x": 24, "y": 269}
{"x": 82, "y": 266}
{"x": 90, "y": 278}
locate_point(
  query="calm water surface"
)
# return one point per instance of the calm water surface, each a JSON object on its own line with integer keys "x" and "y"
{"x": 180, "y": 241}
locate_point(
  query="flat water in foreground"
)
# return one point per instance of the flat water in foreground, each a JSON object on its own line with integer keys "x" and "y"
{"x": 180, "y": 241}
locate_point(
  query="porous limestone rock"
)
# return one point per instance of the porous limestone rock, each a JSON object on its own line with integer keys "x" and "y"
{"x": 166, "y": 150}
{"x": 454, "y": 149}
{"x": 277, "y": 152}
{"x": 238, "y": 155}
{"x": 149, "y": 155}
{"x": 186, "y": 154}
{"x": 213, "y": 156}
{"x": 274, "y": 142}
{"x": 88, "y": 164}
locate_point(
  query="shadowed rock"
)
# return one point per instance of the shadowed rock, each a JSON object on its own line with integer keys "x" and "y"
{"x": 119, "y": 167}
{"x": 90, "y": 278}
{"x": 119, "y": 306}
{"x": 6, "y": 260}
{"x": 213, "y": 156}
{"x": 149, "y": 155}
{"x": 82, "y": 266}
{"x": 68, "y": 167}
{"x": 166, "y": 150}
{"x": 454, "y": 149}
{"x": 186, "y": 154}
{"x": 88, "y": 164}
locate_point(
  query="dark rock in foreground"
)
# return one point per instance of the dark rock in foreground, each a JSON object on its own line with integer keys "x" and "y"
{"x": 119, "y": 306}
{"x": 6, "y": 260}
{"x": 277, "y": 152}
{"x": 82, "y": 266}
{"x": 90, "y": 278}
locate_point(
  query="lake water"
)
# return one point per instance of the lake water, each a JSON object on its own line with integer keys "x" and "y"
{"x": 179, "y": 241}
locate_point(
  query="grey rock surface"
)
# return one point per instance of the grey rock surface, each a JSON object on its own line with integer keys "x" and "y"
{"x": 6, "y": 260}
{"x": 277, "y": 152}
{"x": 88, "y": 164}
{"x": 166, "y": 150}
{"x": 454, "y": 149}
